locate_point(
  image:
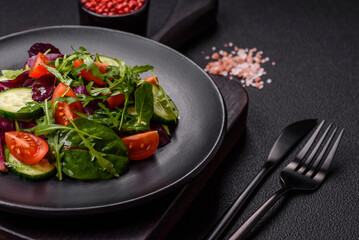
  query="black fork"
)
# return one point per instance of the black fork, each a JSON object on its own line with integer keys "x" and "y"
{"x": 300, "y": 174}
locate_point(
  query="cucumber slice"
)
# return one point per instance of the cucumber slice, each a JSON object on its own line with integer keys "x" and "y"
{"x": 131, "y": 110}
{"x": 14, "y": 99}
{"x": 40, "y": 170}
{"x": 108, "y": 60}
{"x": 164, "y": 109}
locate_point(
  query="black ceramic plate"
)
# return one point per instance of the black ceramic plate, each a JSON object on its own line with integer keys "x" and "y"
{"x": 196, "y": 139}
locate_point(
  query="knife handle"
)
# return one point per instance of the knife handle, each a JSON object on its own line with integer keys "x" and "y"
{"x": 188, "y": 19}
{"x": 238, "y": 205}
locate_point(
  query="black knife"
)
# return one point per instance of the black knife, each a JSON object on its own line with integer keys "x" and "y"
{"x": 287, "y": 140}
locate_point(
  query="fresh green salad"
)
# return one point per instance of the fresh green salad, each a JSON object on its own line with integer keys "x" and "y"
{"x": 83, "y": 115}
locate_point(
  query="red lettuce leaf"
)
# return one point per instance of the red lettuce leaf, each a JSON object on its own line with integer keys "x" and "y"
{"x": 2, "y": 158}
{"x": 5, "y": 126}
{"x": 23, "y": 80}
{"x": 164, "y": 137}
{"x": 42, "y": 47}
{"x": 43, "y": 88}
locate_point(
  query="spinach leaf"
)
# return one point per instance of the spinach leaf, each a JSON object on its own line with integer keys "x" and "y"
{"x": 91, "y": 158}
{"x": 144, "y": 103}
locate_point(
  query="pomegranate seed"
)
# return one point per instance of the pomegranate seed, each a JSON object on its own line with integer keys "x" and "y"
{"x": 113, "y": 7}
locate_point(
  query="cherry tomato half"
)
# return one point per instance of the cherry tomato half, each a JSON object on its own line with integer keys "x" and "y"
{"x": 39, "y": 69}
{"x": 63, "y": 112}
{"x": 88, "y": 74}
{"x": 142, "y": 145}
{"x": 116, "y": 100}
{"x": 152, "y": 80}
{"x": 26, "y": 147}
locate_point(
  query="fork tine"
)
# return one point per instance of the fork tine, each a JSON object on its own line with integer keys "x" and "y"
{"x": 313, "y": 169}
{"x": 324, "y": 149}
{"x": 307, "y": 146}
{"x": 307, "y": 163}
{"x": 330, "y": 156}
{"x": 320, "y": 175}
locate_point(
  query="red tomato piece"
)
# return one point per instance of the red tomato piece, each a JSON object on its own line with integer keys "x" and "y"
{"x": 116, "y": 100}
{"x": 152, "y": 80}
{"x": 142, "y": 145}
{"x": 26, "y": 147}
{"x": 39, "y": 69}
{"x": 88, "y": 74}
{"x": 63, "y": 112}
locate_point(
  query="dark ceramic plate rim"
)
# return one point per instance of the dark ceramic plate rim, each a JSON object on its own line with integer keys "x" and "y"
{"x": 187, "y": 176}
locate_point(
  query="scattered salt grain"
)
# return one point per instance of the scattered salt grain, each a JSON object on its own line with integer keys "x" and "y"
{"x": 242, "y": 63}
{"x": 215, "y": 56}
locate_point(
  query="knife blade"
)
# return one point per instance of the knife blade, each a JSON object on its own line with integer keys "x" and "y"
{"x": 287, "y": 140}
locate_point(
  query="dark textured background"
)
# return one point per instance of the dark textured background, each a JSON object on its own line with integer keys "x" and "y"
{"x": 315, "y": 47}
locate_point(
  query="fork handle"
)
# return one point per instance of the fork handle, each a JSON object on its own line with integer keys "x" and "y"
{"x": 238, "y": 205}
{"x": 249, "y": 224}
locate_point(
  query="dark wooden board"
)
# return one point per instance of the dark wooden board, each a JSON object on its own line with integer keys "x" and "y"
{"x": 153, "y": 220}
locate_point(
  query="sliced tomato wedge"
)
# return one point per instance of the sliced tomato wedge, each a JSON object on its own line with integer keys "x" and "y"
{"x": 63, "y": 112}
{"x": 26, "y": 147}
{"x": 153, "y": 80}
{"x": 88, "y": 74}
{"x": 142, "y": 145}
{"x": 39, "y": 69}
{"x": 116, "y": 100}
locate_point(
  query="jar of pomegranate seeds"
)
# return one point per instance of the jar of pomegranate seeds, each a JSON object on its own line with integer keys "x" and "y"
{"x": 126, "y": 15}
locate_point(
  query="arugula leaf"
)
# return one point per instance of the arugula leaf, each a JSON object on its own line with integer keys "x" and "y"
{"x": 53, "y": 136}
{"x": 55, "y": 148}
{"x": 59, "y": 76}
{"x": 98, "y": 91}
{"x": 114, "y": 120}
{"x": 141, "y": 69}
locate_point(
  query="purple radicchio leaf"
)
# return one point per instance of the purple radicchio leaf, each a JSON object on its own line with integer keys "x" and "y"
{"x": 5, "y": 126}
{"x": 92, "y": 106}
{"x": 25, "y": 125}
{"x": 2, "y": 158}
{"x": 42, "y": 47}
{"x": 23, "y": 80}
{"x": 164, "y": 137}
{"x": 43, "y": 88}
